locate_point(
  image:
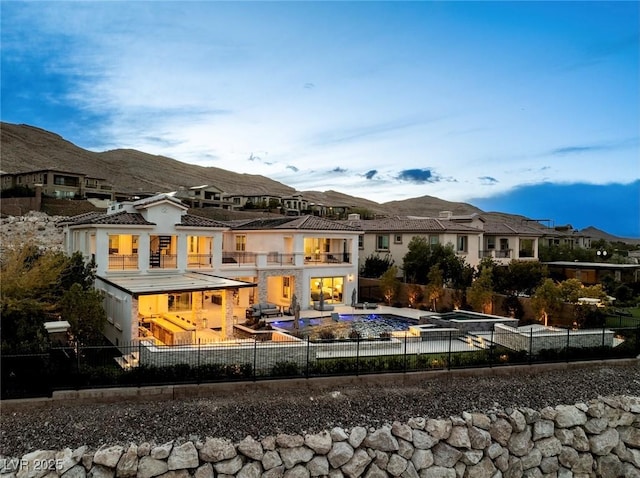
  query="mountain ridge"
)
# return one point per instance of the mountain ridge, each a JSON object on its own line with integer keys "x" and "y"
{"x": 27, "y": 147}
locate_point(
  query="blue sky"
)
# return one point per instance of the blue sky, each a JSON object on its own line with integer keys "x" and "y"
{"x": 522, "y": 107}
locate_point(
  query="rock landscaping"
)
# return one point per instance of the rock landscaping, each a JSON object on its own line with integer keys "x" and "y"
{"x": 600, "y": 437}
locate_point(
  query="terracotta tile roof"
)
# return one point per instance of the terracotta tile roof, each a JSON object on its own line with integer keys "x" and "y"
{"x": 158, "y": 198}
{"x": 80, "y": 218}
{"x": 199, "y": 221}
{"x": 119, "y": 218}
{"x": 402, "y": 224}
{"x": 294, "y": 222}
{"x": 501, "y": 228}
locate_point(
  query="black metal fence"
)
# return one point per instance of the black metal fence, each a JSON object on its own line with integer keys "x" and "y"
{"x": 144, "y": 363}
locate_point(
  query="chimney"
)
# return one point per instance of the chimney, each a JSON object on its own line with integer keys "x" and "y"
{"x": 445, "y": 215}
{"x": 354, "y": 216}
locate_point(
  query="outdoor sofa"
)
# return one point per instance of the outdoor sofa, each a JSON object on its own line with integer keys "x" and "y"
{"x": 263, "y": 309}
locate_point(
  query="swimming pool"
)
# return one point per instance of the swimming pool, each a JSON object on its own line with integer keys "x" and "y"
{"x": 367, "y": 325}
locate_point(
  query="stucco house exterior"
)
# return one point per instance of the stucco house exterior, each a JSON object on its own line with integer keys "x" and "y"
{"x": 471, "y": 236}
{"x": 181, "y": 278}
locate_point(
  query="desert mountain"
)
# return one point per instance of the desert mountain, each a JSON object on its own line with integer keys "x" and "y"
{"x": 27, "y": 148}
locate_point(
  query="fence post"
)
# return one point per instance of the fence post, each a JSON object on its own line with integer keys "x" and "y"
{"x": 566, "y": 350}
{"x": 139, "y": 358}
{"x": 405, "y": 352}
{"x": 307, "y": 367}
{"x": 449, "y": 354}
{"x": 530, "y": 346}
{"x": 357, "y": 355}
{"x": 198, "y": 369}
{"x": 491, "y": 348}
{"x": 255, "y": 358}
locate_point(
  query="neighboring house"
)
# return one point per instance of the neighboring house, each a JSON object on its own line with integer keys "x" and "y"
{"x": 564, "y": 236}
{"x": 471, "y": 236}
{"x": 391, "y": 236}
{"x": 506, "y": 242}
{"x": 60, "y": 184}
{"x": 590, "y": 273}
{"x": 204, "y": 196}
{"x": 182, "y": 278}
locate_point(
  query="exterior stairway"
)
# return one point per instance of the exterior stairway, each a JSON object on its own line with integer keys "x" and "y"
{"x": 128, "y": 361}
{"x": 475, "y": 341}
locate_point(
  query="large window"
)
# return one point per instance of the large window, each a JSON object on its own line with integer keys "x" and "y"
{"x": 433, "y": 240}
{"x": 382, "y": 242}
{"x": 526, "y": 247}
{"x": 329, "y": 288}
{"x": 491, "y": 242}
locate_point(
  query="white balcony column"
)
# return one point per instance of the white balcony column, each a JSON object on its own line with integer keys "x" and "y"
{"x": 181, "y": 251}
{"x": 261, "y": 260}
{"x": 102, "y": 257}
{"x": 298, "y": 258}
{"x": 144, "y": 243}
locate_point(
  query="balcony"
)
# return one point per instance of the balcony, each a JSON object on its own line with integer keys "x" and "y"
{"x": 239, "y": 258}
{"x": 277, "y": 258}
{"x": 120, "y": 262}
{"x": 496, "y": 253}
{"x": 199, "y": 261}
{"x": 328, "y": 258}
{"x": 163, "y": 261}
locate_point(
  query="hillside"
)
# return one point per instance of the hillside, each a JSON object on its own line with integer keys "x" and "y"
{"x": 26, "y": 148}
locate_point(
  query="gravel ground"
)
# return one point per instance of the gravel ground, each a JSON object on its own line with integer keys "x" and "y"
{"x": 234, "y": 416}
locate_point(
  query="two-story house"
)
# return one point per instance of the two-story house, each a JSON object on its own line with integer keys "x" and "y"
{"x": 180, "y": 278}
{"x": 391, "y": 236}
{"x": 471, "y": 236}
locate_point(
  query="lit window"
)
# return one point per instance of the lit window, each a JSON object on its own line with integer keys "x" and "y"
{"x": 241, "y": 243}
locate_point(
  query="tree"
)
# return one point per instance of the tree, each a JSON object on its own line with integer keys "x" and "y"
{"x": 83, "y": 309}
{"x": 522, "y": 277}
{"x": 421, "y": 256}
{"x": 571, "y": 290}
{"x": 374, "y": 266}
{"x": 390, "y": 284}
{"x": 480, "y": 294}
{"x": 435, "y": 286}
{"x": 38, "y": 286}
{"x": 546, "y": 300}
{"x": 415, "y": 294}
{"x": 512, "y": 307}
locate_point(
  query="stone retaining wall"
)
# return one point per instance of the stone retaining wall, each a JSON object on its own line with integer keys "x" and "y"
{"x": 600, "y": 438}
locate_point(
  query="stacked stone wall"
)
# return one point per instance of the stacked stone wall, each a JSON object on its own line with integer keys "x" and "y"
{"x": 600, "y": 438}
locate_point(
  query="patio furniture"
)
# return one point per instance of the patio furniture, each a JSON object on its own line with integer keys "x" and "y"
{"x": 264, "y": 309}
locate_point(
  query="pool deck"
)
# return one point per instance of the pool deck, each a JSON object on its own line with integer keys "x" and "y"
{"x": 395, "y": 347}
{"x": 348, "y": 310}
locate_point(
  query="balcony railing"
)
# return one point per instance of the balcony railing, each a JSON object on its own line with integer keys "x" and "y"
{"x": 123, "y": 261}
{"x": 496, "y": 253}
{"x": 277, "y": 258}
{"x": 199, "y": 261}
{"x": 238, "y": 257}
{"x": 163, "y": 261}
{"x": 328, "y": 258}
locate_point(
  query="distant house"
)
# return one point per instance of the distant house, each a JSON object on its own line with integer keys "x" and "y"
{"x": 203, "y": 196}
{"x": 591, "y": 273}
{"x": 471, "y": 236}
{"x": 60, "y": 184}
